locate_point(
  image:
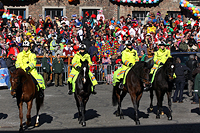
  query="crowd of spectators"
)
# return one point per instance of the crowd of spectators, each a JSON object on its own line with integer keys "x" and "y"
{"x": 105, "y": 38}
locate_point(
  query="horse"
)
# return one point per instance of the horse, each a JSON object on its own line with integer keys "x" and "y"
{"x": 24, "y": 89}
{"x": 82, "y": 91}
{"x": 163, "y": 83}
{"x": 137, "y": 78}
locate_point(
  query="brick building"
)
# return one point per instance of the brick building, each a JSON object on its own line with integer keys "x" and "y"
{"x": 110, "y": 8}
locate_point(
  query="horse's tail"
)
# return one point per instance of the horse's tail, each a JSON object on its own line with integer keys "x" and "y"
{"x": 114, "y": 97}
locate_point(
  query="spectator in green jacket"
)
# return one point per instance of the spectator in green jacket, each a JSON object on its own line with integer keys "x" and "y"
{"x": 46, "y": 69}
{"x": 183, "y": 47}
{"x": 58, "y": 69}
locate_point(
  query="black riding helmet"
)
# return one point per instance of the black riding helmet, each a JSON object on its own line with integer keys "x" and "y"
{"x": 82, "y": 47}
{"x": 128, "y": 43}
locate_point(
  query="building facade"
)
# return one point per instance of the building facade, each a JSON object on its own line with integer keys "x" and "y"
{"x": 110, "y": 8}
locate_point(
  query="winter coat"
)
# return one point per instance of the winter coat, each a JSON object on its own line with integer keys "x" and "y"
{"x": 3, "y": 63}
{"x": 46, "y": 65}
{"x": 179, "y": 71}
{"x": 58, "y": 66}
{"x": 183, "y": 47}
{"x": 10, "y": 64}
{"x": 192, "y": 64}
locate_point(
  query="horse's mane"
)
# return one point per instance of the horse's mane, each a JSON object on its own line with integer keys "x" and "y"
{"x": 20, "y": 72}
{"x": 138, "y": 67}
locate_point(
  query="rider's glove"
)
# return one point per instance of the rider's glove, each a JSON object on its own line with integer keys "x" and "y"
{"x": 161, "y": 63}
{"x": 130, "y": 65}
{"x": 27, "y": 69}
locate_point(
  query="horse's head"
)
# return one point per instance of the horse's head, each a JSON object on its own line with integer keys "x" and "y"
{"x": 84, "y": 70}
{"x": 144, "y": 70}
{"x": 15, "y": 81}
{"x": 170, "y": 68}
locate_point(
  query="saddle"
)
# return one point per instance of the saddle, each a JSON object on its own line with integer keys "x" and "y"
{"x": 34, "y": 81}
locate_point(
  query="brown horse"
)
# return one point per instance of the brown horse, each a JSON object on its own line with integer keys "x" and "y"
{"x": 137, "y": 78}
{"x": 24, "y": 89}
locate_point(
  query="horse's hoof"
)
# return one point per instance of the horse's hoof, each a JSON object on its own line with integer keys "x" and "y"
{"x": 117, "y": 114}
{"x": 162, "y": 113}
{"x": 170, "y": 118}
{"x": 151, "y": 109}
{"x": 36, "y": 124}
{"x": 137, "y": 122}
{"x": 121, "y": 117}
{"x": 157, "y": 116}
{"x": 83, "y": 124}
{"x": 28, "y": 124}
{"x": 21, "y": 130}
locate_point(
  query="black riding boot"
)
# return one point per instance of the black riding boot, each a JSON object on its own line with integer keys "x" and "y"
{"x": 41, "y": 92}
{"x": 94, "y": 92}
{"x": 70, "y": 88}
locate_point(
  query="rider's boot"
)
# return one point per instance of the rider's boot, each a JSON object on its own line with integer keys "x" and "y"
{"x": 41, "y": 92}
{"x": 70, "y": 88}
{"x": 94, "y": 92}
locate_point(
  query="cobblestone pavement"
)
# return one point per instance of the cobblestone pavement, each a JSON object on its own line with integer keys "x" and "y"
{"x": 59, "y": 114}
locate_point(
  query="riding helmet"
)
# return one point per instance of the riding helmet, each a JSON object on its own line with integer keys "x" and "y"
{"x": 82, "y": 47}
{"x": 162, "y": 44}
{"x": 128, "y": 43}
{"x": 26, "y": 44}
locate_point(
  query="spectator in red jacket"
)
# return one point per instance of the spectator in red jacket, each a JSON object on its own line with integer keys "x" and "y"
{"x": 13, "y": 50}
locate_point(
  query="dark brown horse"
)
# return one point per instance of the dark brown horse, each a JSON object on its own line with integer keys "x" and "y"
{"x": 82, "y": 91}
{"x": 163, "y": 83}
{"x": 137, "y": 78}
{"x": 24, "y": 89}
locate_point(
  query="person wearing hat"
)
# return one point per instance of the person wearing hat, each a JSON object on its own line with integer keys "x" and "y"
{"x": 65, "y": 21}
{"x": 76, "y": 65}
{"x": 129, "y": 58}
{"x": 27, "y": 61}
{"x": 160, "y": 57}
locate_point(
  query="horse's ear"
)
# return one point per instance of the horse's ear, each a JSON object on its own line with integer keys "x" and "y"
{"x": 81, "y": 61}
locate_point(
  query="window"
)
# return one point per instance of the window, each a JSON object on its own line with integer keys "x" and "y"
{"x": 18, "y": 11}
{"x": 174, "y": 14}
{"x": 140, "y": 15}
{"x": 52, "y": 12}
{"x": 90, "y": 11}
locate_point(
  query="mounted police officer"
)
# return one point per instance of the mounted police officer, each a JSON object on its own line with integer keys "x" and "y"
{"x": 27, "y": 61}
{"x": 76, "y": 65}
{"x": 129, "y": 57}
{"x": 160, "y": 57}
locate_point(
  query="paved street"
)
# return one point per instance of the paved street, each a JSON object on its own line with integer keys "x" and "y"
{"x": 59, "y": 114}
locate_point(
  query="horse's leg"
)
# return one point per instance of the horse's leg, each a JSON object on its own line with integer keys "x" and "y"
{"x": 158, "y": 95}
{"x": 28, "y": 115}
{"x": 138, "y": 104}
{"x": 134, "y": 101}
{"x": 151, "y": 98}
{"x": 116, "y": 98}
{"x": 82, "y": 113}
{"x": 169, "y": 105}
{"x": 20, "y": 106}
{"x": 39, "y": 102}
{"x": 161, "y": 102}
{"x": 78, "y": 106}
{"x": 120, "y": 104}
{"x": 84, "y": 105}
